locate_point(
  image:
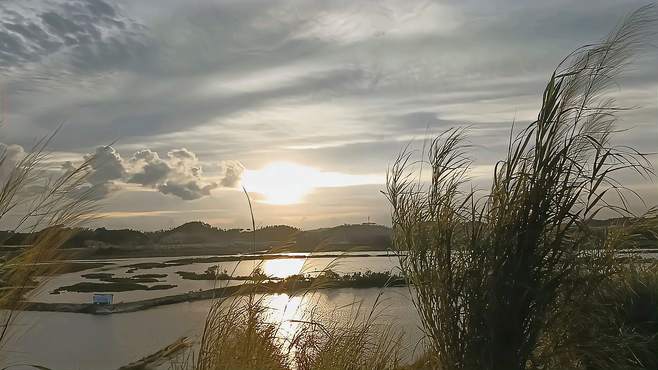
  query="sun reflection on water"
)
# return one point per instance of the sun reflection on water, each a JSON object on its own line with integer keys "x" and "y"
{"x": 282, "y": 268}
{"x": 284, "y": 311}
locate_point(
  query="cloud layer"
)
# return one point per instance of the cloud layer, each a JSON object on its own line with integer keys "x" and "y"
{"x": 337, "y": 85}
{"x": 75, "y": 35}
{"x": 179, "y": 173}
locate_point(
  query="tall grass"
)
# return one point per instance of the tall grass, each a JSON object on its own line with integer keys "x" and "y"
{"x": 33, "y": 198}
{"x": 239, "y": 334}
{"x": 612, "y": 327}
{"x": 491, "y": 273}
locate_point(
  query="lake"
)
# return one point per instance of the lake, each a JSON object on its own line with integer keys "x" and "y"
{"x": 82, "y": 341}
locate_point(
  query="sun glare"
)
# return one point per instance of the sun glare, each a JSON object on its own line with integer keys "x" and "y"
{"x": 285, "y": 183}
{"x": 282, "y": 268}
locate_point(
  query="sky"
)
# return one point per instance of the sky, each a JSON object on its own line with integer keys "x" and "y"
{"x": 304, "y": 103}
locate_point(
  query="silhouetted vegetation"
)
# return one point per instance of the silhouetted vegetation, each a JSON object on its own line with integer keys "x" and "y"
{"x": 110, "y": 278}
{"x": 237, "y": 335}
{"x": 328, "y": 278}
{"x": 123, "y": 286}
{"x": 493, "y": 274}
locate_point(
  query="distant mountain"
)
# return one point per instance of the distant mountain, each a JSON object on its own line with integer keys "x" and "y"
{"x": 191, "y": 234}
{"x": 199, "y": 238}
{"x": 338, "y": 237}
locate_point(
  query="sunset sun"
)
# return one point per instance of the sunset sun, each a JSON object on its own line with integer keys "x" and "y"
{"x": 285, "y": 183}
{"x": 280, "y": 182}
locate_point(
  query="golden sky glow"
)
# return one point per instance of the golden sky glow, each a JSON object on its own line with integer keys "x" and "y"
{"x": 286, "y": 183}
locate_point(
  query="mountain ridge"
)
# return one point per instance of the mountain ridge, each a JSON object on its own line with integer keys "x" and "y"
{"x": 198, "y": 233}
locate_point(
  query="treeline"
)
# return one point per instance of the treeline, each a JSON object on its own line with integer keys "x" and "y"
{"x": 368, "y": 235}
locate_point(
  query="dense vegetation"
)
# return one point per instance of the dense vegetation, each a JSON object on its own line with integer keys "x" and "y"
{"x": 367, "y": 235}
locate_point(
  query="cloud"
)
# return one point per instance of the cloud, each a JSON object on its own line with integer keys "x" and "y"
{"x": 338, "y": 85}
{"x": 186, "y": 190}
{"x": 106, "y": 171}
{"x": 361, "y": 21}
{"x": 10, "y": 156}
{"x": 179, "y": 173}
{"x": 106, "y": 164}
{"x": 80, "y": 35}
{"x": 232, "y": 173}
{"x": 151, "y": 169}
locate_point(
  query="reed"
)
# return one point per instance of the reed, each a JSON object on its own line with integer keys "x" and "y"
{"x": 50, "y": 205}
{"x": 239, "y": 334}
{"x": 492, "y": 273}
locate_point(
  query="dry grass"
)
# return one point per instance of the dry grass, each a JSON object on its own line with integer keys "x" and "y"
{"x": 32, "y": 198}
{"x": 238, "y": 334}
{"x": 612, "y": 327}
{"x": 491, "y": 273}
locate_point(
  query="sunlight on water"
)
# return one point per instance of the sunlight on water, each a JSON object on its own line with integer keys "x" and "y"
{"x": 284, "y": 310}
{"x": 282, "y": 268}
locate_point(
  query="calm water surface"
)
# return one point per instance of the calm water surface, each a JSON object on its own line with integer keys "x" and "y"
{"x": 81, "y": 341}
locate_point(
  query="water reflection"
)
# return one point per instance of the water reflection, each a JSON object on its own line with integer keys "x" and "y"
{"x": 128, "y": 337}
{"x": 284, "y": 311}
{"x": 282, "y": 268}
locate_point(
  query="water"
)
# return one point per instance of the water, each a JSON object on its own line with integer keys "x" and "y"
{"x": 81, "y": 341}
{"x": 280, "y": 268}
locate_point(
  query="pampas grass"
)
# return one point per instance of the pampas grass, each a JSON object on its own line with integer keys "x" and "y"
{"x": 490, "y": 273}
{"x": 239, "y": 335}
{"x": 50, "y": 206}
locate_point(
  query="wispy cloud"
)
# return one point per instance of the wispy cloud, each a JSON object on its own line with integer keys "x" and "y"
{"x": 335, "y": 85}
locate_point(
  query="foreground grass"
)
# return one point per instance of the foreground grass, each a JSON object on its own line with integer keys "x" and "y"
{"x": 494, "y": 273}
{"x": 49, "y": 206}
{"x": 238, "y": 335}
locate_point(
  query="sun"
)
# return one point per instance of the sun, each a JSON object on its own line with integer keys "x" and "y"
{"x": 285, "y": 183}
{"x": 280, "y": 182}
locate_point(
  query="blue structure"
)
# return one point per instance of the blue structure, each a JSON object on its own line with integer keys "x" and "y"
{"x": 102, "y": 298}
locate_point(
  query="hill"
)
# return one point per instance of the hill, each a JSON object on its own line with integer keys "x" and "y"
{"x": 201, "y": 238}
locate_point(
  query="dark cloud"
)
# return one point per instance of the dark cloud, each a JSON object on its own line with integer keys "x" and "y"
{"x": 186, "y": 190}
{"x": 151, "y": 174}
{"x": 76, "y": 35}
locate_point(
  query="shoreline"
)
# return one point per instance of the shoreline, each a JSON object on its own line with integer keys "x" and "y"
{"x": 215, "y": 293}
{"x": 206, "y": 249}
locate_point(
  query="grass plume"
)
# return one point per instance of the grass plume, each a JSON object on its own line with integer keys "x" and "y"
{"x": 49, "y": 206}
{"x": 489, "y": 272}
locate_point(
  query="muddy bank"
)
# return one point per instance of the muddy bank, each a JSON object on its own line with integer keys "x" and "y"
{"x": 291, "y": 287}
{"x": 123, "y": 307}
